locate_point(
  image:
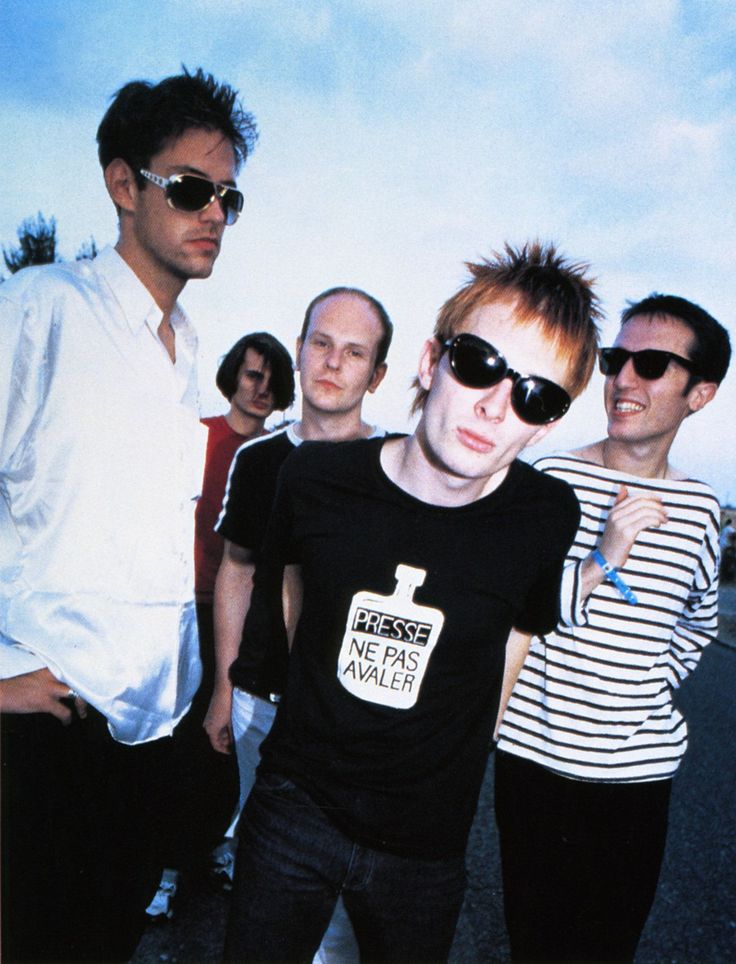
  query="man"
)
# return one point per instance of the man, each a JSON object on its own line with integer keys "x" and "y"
{"x": 410, "y": 560}
{"x": 341, "y": 356}
{"x": 591, "y": 738}
{"x": 101, "y": 457}
{"x": 256, "y": 377}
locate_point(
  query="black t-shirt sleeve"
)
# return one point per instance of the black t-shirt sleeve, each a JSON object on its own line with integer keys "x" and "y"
{"x": 242, "y": 520}
{"x": 558, "y": 524}
{"x": 263, "y": 656}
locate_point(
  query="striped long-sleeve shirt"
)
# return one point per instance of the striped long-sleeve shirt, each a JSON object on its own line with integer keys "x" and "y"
{"x": 594, "y": 698}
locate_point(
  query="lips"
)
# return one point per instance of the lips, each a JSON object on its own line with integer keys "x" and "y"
{"x": 475, "y": 442}
{"x": 326, "y": 383}
{"x": 206, "y": 244}
{"x": 627, "y": 406}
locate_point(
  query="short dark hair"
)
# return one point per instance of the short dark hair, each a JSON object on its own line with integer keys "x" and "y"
{"x": 273, "y": 353}
{"x": 388, "y": 329}
{"x": 711, "y": 348}
{"x": 547, "y": 289}
{"x": 143, "y": 117}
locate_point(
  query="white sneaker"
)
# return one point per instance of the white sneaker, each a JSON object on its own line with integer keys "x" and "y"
{"x": 162, "y": 904}
{"x": 223, "y": 863}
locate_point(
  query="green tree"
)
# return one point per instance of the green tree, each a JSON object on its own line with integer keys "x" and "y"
{"x": 36, "y": 244}
{"x": 87, "y": 249}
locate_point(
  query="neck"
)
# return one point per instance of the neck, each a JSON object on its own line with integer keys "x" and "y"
{"x": 647, "y": 460}
{"x": 244, "y": 424}
{"x": 164, "y": 287}
{"x": 407, "y": 463}
{"x": 317, "y": 426}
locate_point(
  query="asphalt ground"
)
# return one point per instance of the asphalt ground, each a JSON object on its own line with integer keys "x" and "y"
{"x": 693, "y": 920}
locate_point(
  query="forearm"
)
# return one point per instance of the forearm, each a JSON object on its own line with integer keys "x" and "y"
{"x": 291, "y": 598}
{"x": 233, "y": 589}
{"x": 517, "y": 646}
{"x": 590, "y": 576}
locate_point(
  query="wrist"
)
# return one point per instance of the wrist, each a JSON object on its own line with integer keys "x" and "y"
{"x": 612, "y": 575}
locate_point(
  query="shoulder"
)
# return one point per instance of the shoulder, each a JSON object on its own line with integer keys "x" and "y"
{"x": 562, "y": 464}
{"x": 213, "y": 421}
{"x": 545, "y": 484}
{"x": 265, "y": 449}
{"x": 691, "y": 498}
{"x": 44, "y": 284}
{"x": 550, "y": 505}
{"x": 332, "y": 460}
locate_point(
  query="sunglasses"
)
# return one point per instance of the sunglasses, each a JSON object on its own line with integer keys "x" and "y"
{"x": 190, "y": 192}
{"x": 476, "y": 364}
{"x": 649, "y": 363}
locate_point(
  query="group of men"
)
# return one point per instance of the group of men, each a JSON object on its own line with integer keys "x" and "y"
{"x": 384, "y": 604}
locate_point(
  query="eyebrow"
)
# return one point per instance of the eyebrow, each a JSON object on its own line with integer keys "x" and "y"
{"x": 350, "y": 344}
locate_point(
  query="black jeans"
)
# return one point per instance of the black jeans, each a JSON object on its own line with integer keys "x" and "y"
{"x": 292, "y": 863}
{"x": 580, "y": 861}
{"x": 204, "y": 783}
{"x": 81, "y": 838}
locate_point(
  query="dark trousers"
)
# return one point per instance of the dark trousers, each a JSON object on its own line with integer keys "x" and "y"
{"x": 80, "y": 838}
{"x": 580, "y": 861}
{"x": 204, "y": 783}
{"x": 291, "y": 865}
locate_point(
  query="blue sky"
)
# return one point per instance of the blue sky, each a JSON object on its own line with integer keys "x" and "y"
{"x": 400, "y": 139}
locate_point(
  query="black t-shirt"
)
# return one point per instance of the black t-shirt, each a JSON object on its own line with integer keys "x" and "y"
{"x": 251, "y": 488}
{"x": 391, "y": 699}
{"x": 263, "y": 655}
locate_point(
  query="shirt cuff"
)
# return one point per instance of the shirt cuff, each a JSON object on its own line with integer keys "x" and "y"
{"x": 572, "y": 605}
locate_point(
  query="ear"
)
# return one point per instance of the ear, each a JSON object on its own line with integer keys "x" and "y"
{"x": 121, "y": 185}
{"x": 428, "y": 361}
{"x": 297, "y": 356}
{"x": 377, "y": 377}
{"x": 700, "y": 394}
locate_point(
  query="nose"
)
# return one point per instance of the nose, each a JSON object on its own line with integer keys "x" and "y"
{"x": 264, "y": 386}
{"x": 493, "y": 404}
{"x": 333, "y": 357}
{"x": 627, "y": 375}
{"x": 214, "y": 212}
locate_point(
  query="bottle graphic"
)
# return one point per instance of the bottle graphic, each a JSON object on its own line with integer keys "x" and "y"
{"x": 388, "y": 642}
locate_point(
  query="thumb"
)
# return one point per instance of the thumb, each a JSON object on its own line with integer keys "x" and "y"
{"x": 623, "y": 493}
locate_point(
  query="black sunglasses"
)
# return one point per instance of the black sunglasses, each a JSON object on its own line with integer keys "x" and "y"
{"x": 649, "y": 363}
{"x": 190, "y": 192}
{"x": 476, "y": 364}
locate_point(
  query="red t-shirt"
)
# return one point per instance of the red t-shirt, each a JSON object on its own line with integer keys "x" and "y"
{"x": 222, "y": 444}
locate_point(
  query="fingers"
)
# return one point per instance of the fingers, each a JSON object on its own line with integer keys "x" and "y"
{"x": 67, "y": 703}
{"x": 222, "y": 741}
{"x": 81, "y": 707}
{"x": 630, "y": 515}
{"x": 220, "y": 734}
{"x": 39, "y": 692}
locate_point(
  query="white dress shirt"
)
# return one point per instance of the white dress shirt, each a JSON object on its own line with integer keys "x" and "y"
{"x": 101, "y": 459}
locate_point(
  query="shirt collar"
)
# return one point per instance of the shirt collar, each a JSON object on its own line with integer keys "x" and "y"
{"x": 136, "y": 301}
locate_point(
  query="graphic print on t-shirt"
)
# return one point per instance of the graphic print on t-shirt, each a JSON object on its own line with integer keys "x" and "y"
{"x": 388, "y": 642}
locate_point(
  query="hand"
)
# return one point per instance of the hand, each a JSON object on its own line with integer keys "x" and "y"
{"x": 630, "y": 515}
{"x": 39, "y": 692}
{"x": 217, "y": 722}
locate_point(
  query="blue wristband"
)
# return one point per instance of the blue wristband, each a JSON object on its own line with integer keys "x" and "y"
{"x": 612, "y": 576}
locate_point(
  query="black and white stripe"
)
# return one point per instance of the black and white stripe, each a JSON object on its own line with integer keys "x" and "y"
{"x": 594, "y": 698}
